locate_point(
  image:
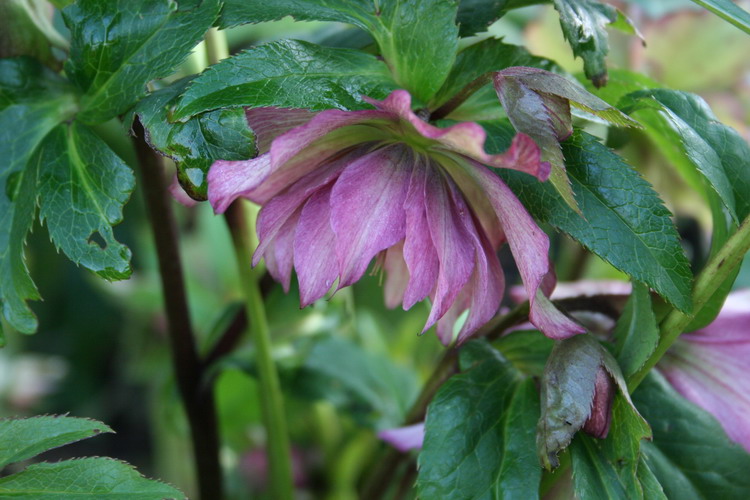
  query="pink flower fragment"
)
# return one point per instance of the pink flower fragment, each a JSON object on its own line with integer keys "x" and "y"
{"x": 404, "y": 438}
{"x": 710, "y": 367}
{"x": 347, "y": 187}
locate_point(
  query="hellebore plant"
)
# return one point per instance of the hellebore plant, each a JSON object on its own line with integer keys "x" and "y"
{"x": 350, "y": 186}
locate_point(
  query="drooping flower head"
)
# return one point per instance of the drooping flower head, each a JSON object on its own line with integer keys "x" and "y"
{"x": 346, "y": 187}
{"x": 710, "y": 367}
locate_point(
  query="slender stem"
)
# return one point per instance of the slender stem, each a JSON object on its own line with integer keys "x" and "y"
{"x": 272, "y": 406}
{"x": 216, "y": 46}
{"x": 197, "y": 396}
{"x": 458, "y": 99}
{"x": 710, "y": 278}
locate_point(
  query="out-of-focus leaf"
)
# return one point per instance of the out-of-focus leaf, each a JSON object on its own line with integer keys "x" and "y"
{"x": 584, "y": 24}
{"x": 479, "y": 433}
{"x": 624, "y": 221}
{"x": 118, "y": 46}
{"x": 23, "y": 438}
{"x": 33, "y": 100}
{"x": 83, "y": 186}
{"x": 636, "y": 333}
{"x": 729, "y": 11}
{"x": 691, "y": 455}
{"x": 417, "y": 38}
{"x": 19, "y": 33}
{"x": 194, "y": 145}
{"x": 287, "y": 74}
{"x": 83, "y": 478}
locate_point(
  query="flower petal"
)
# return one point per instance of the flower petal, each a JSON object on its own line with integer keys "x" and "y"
{"x": 404, "y": 438}
{"x": 367, "y": 208}
{"x": 229, "y": 180}
{"x": 316, "y": 267}
{"x": 396, "y": 277}
{"x": 270, "y": 122}
{"x": 279, "y": 252}
{"x": 179, "y": 194}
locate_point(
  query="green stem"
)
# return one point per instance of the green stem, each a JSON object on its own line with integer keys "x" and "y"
{"x": 710, "y": 278}
{"x": 272, "y": 405}
{"x": 216, "y": 46}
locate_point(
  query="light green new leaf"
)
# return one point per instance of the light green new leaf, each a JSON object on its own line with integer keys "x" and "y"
{"x": 636, "y": 333}
{"x": 84, "y": 479}
{"x": 417, "y": 38}
{"x": 691, "y": 456}
{"x": 729, "y": 11}
{"x": 33, "y": 100}
{"x": 83, "y": 186}
{"x": 118, "y": 46}
{"x": 287, "y": 74}
{"x": 194, "y": 145}
{"x": 479, "y": 433}
{"x": 624, "y": 221}
{"x": 24, "y": 438}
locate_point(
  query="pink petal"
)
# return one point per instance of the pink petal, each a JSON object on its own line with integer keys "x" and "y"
{"x": 396, "y": 277}
{"x": 317, "y": 267}
{"x": 419, "y": 252}
{"x": 582, "y": 288}
{"x": 229, "y": 180}
{"x": 269, "y": 123}
{"x": 467, "y": 139}
{"x": 279, "y": 252}
{"x": 179, "y": 194}
{"x": 367, "y": 208}
{"x": 453, "y": 243}
{"x": 404, "y": 438}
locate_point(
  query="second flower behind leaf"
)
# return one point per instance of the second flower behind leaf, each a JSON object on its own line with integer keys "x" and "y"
{"x": 347, "y": 187}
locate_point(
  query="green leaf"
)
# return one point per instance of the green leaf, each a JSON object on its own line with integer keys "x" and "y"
{"x": 83, "y": 186}
{"x": 194, "y": 145}
{"x": 624, "y": 221}
{"x": 24, "y": 438}
{"x": 85, "y": 478}
{"x": 584, "y": 24}
{"x": 691, "y": 455}
{"x": 729, "y": 11}
{"x": 609, "y": 467}
{"x": 488, "y": 55}
{"x": 287, "y": 74}
{"x": 475, "y": 16}
{"x": 118, "y": 46}
{"x": 33, "y": 100}
{"x": 479, "y": 434}
{"x": 651, "y": 487}
{"x": 345, "y": 374}
{"x": 716, "y": 150}
{"x": 417, "y": 38}
{"x": 528, "y": 350}
{"x": 636, "y": 333}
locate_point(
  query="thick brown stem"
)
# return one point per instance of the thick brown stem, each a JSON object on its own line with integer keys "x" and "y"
{"x": 197, "y": 396}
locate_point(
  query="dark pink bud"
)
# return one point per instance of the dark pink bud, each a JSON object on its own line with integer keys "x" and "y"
{"x": 597, "y": 424}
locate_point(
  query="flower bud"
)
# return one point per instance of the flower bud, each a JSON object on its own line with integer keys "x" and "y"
{"x": 597, "y": 425}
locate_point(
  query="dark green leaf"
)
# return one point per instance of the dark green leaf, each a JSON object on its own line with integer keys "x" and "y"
{"x": 194, "y": 145}
{"x": 24, "y": 438}
{"x": 479, "y": 434}
{"x": 691, "y": 455}
{"x": 608, "y": 467}
{"x": 716, "y": 150}
{"x": 100, "y": 478}
{"x": 288, "y": 74}
{"x": 342, "y": 372}
{"x": 584, "y": 24}
{"x": 417, "y": 38}
{"x": 83, "y": 186}
{"x": 528, "y": 350}
{"x": 20, "y": 33}
{"x": 636, "y": 333}
{"x": 624, "y": 221}
{"x": 33, "y": 100}
{"x": 729, "y": 11}
{"x": 118, "y": 46}
{"x": 652, "y": 489}
{"x": 475, "y": 16}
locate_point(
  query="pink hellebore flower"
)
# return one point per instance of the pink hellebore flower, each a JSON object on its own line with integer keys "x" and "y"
{"x": 345, "y": 187}
{"x": 710, "y": 367}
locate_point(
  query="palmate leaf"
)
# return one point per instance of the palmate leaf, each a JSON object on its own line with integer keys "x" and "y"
{"x": 118, "y": 46}
{"x": 479, "y": 432}
{"x": 417, "y": 38}
{"x": 624, "y": 221}
{"x": 691, "y": 455}
{"x": 33, "y": 100}
{"x": 195, "y": 144}
{"x": 287, "y": 74}
{"x": 87, "y": 478}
